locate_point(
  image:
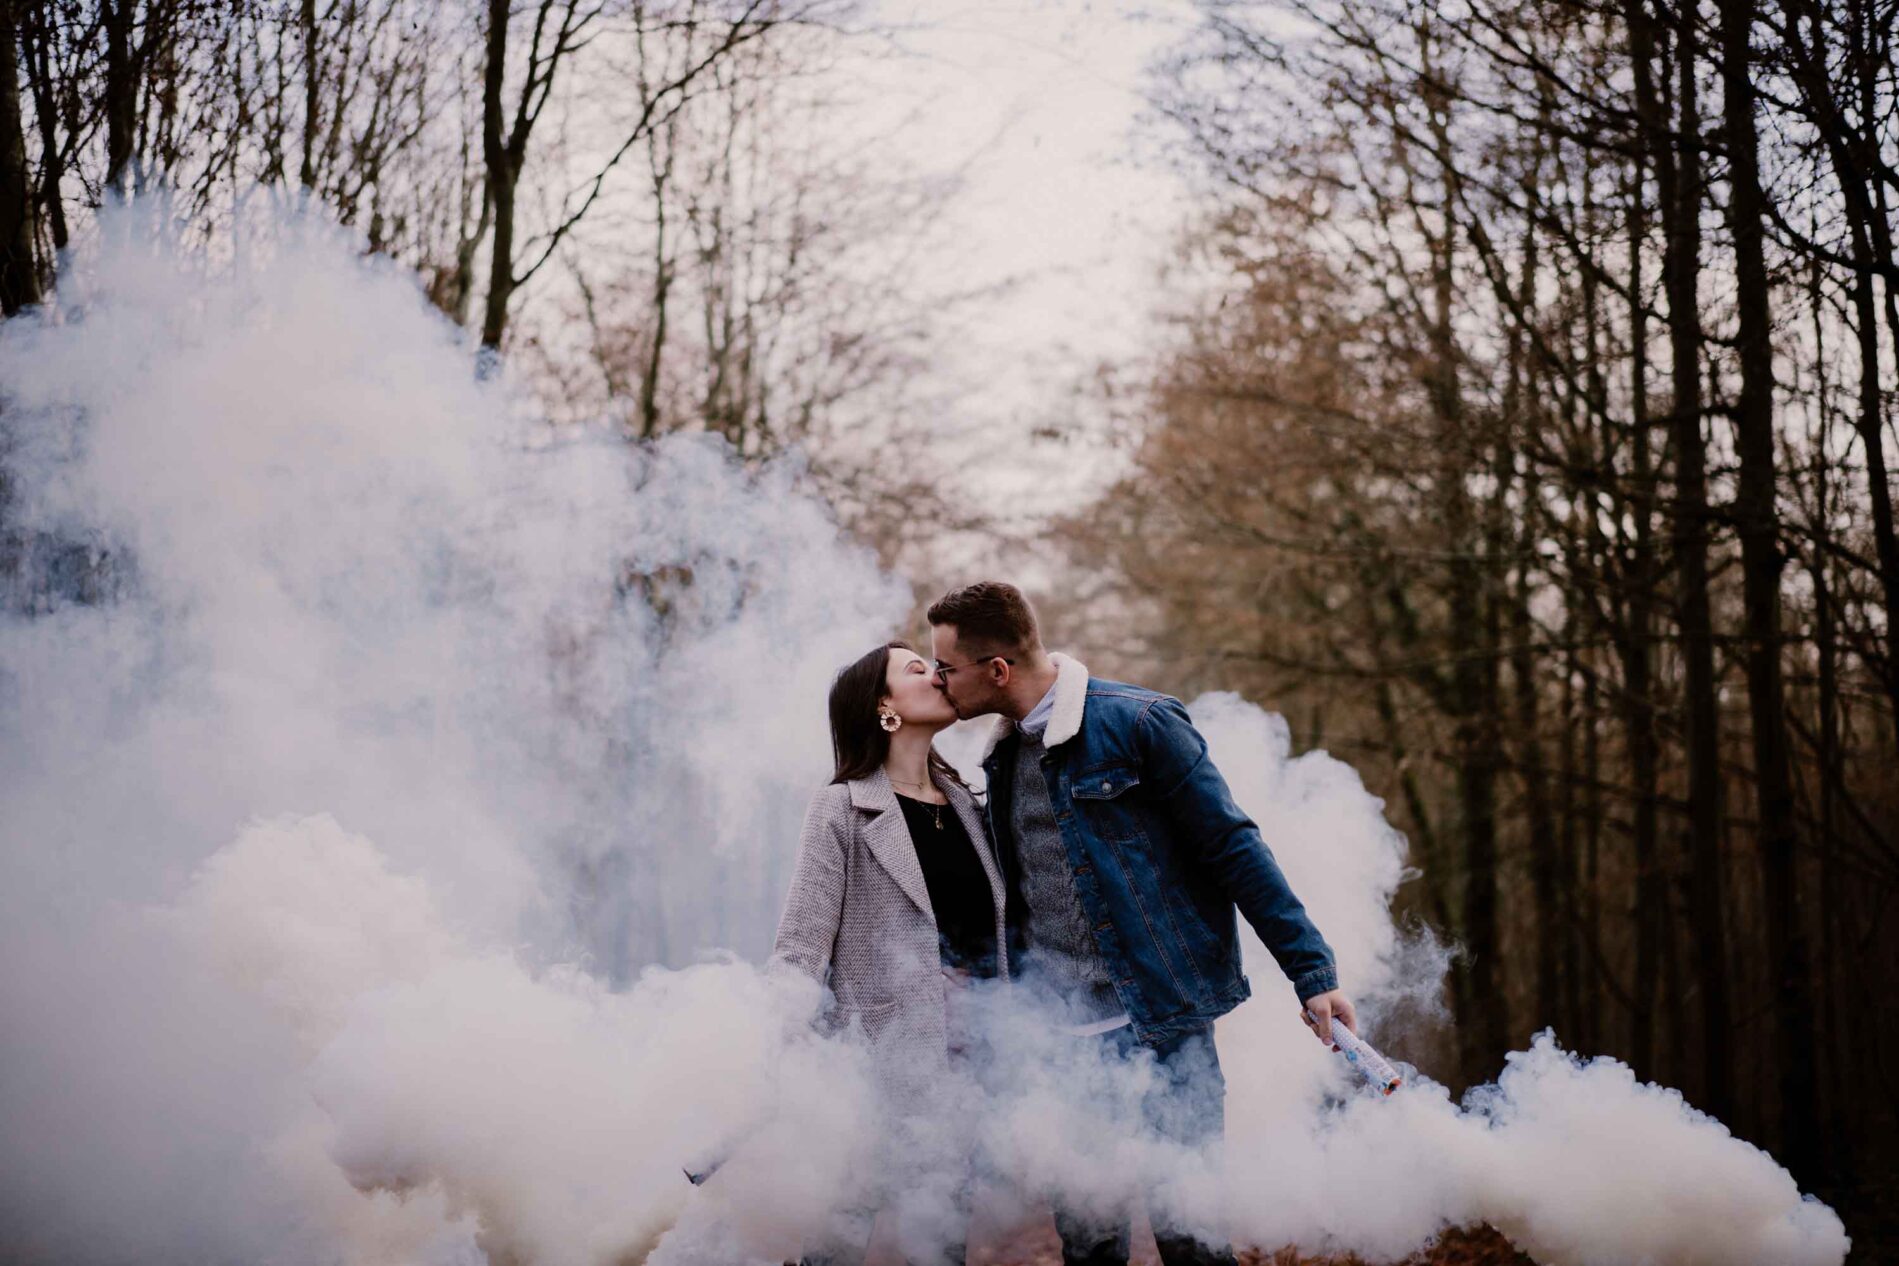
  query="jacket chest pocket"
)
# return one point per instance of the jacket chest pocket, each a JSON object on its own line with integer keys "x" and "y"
{"x": 1109, "y": 801}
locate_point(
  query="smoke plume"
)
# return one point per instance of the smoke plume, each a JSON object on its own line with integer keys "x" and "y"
{"x": 400, "y": 796}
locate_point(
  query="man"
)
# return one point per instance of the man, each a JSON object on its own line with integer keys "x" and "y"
{"x": 1124, "y": 857}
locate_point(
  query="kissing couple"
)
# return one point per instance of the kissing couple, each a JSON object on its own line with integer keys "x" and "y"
{"x": 1097, "y": 879}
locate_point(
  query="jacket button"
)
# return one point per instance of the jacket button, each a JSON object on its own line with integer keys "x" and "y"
{"x": 1107, "y": 786}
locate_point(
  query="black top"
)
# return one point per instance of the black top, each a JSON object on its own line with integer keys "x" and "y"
{"x": 959, "y": 887}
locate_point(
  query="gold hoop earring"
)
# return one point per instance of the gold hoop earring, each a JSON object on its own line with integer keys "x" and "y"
{"x": 889, "y": 720}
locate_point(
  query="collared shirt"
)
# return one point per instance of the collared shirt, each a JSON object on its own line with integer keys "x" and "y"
{"x": 1035, "y": 724}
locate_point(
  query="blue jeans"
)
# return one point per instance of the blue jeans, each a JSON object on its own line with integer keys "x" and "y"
{"x": 1186, "y": 1105}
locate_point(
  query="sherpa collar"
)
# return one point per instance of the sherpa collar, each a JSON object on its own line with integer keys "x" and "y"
{"x": 1064, "y": 723}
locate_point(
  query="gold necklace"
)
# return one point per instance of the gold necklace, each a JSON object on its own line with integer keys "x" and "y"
{"x": 936, "y": 810}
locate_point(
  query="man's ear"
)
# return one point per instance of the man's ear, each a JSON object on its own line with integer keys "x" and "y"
{"x": 1001, "y": 672}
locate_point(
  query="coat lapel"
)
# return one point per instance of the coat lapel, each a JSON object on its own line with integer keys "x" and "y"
{"x": 889, "y": 839}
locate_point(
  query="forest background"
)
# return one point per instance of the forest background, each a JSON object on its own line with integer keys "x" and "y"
{"x": 1511, "y": 414}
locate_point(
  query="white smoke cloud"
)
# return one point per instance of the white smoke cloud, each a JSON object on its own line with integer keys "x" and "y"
{"x": 571, "y": 689}
{"x": 373, "y": 844}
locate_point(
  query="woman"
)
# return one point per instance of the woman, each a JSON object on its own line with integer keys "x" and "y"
{"x": 896, "y": 902}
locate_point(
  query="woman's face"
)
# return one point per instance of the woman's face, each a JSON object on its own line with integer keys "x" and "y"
{"x": 912, "y": 695}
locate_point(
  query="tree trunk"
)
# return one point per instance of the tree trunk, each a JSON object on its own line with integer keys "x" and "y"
{"x": 121, "y": 91}
{"x": 1680, "y": 174}
{"x": 503, "y": 168}
{"x": 307, "y": 27}
{"x": 1589, "y": 915}
{"x": 1871, "y": 58}
{"x": 19, "y": 263}
{"x": 1591, "y": 397}
{"x": 662, "y": 284}
{"x": 1831, "y": 1014}
{"x": 1651, "y": 892}
{"x": 1545, "y": 843}
{"x": 1759, "y": 527}
{"x": 1520, "y": 415}
{"x": 1570, "y": 965}
{"x": 1484, "y": 1028}
{"x": 1482, "y": 1023}
{"x": 37, "y": 45}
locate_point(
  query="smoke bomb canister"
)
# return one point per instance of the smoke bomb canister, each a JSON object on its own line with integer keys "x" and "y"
{"x": 1368, "y": 1063}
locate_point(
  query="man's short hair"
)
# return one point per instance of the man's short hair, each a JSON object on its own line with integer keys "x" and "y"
{"x": 991, "y": 618}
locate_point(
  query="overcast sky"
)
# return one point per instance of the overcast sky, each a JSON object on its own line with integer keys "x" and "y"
{"x": 1039, "y": 102}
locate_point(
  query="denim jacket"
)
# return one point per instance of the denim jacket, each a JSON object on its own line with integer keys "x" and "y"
{"x": 1160, "y": 853}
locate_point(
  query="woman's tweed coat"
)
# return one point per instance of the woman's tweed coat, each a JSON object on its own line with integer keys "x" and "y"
{"x": 858, "y": 920}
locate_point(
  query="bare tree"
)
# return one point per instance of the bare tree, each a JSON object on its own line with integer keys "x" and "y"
{"x": 19, "y": 264}
{"x": 558, "y": 30}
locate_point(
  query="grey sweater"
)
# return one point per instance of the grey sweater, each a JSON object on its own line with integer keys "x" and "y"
{"x": 1061, "y": 955}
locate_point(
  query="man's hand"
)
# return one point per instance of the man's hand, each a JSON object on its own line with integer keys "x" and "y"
{"x": 1323, "y": 1008}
